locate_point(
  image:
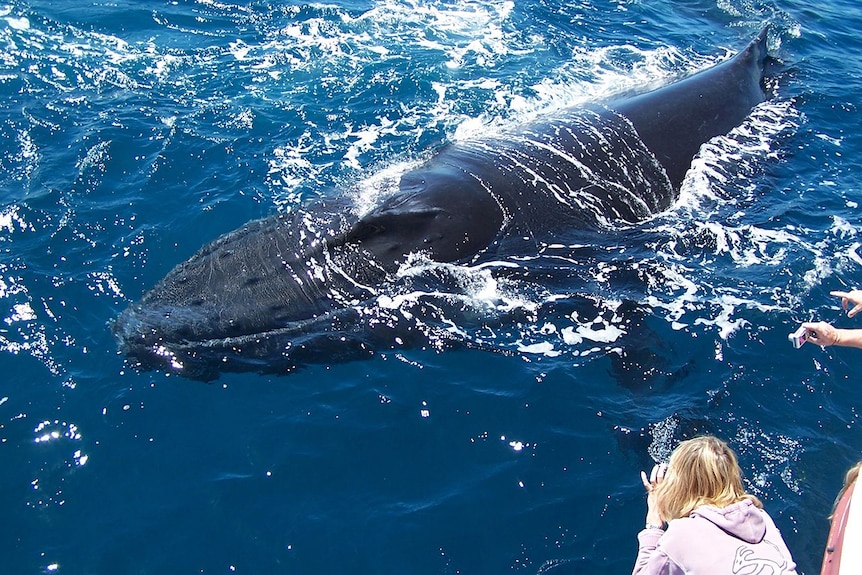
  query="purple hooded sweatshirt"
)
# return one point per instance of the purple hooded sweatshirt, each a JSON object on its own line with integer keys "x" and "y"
{"x": 739, "y": 539}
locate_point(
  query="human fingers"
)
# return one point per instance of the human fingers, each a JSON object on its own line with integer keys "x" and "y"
{"x": 662, "y": 470}
{"x": 645, "y": 481}
{"x": 813, "y": 329}
{"x": 853, "y": 296}
{"x": 820, "y": 332}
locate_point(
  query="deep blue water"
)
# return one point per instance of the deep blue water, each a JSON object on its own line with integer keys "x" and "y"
{"x": 131, "y": 133}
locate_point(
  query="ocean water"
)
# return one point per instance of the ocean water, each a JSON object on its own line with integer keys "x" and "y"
{"x": 132, "y": 133}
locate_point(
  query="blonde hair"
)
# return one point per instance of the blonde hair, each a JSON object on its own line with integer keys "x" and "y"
{"x": 849, "y": 479}
{"x": 701, "y": 471}
{"x": 851, "y": 476}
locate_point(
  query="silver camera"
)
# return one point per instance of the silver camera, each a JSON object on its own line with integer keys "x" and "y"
{"x": 798, "y": 337}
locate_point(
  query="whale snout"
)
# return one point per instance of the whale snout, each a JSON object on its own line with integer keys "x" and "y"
{"x": 183, "y": 341}
{"x": 155, "y": 338}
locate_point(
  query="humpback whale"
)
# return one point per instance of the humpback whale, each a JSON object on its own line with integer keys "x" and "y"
{"x": 275, "y": 292}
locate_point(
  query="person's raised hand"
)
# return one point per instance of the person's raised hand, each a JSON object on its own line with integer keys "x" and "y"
{"x": 821, "y": 333}
{"x": 848, "y": 297}
{"x": 655, "y": 478}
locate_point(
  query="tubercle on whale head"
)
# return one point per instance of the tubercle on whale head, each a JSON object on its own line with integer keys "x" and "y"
{"x": 279, "y": 351}
{"x": 261, "y": 280}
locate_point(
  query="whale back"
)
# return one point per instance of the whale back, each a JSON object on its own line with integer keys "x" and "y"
{"x": 583, "y": 167}
{"x": 676, "y": 120}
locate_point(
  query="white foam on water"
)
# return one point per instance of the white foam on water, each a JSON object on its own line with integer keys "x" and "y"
{"x": 20, "y": 23}
{"x": 663, "y": 443}
{"x": 776, "y": 455}
{"x": 12, "y": 220}
{"x": 735, "y": 156}
{"x": 380, "y": 183}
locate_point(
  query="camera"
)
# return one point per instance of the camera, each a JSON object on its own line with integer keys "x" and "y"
{"x": 798, "y": 337}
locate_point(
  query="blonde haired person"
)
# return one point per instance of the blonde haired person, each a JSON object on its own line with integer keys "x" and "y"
{"x": 713, "y": 526}
{"x": 852, "y": 475}
{"x": 849, "y": 479}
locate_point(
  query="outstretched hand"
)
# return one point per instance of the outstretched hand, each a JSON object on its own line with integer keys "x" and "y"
{"x": 821, "y": 333}
{"x": 853, "y": 296}
{"x": 655, "y": 478}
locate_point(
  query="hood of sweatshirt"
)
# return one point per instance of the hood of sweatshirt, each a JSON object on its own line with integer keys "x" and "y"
{"x": 742, "y": 520}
